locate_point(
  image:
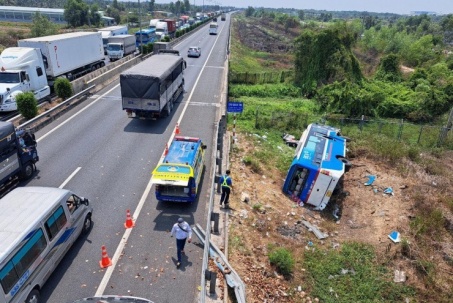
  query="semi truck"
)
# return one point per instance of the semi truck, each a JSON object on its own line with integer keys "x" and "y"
{"x": 18, "y": 155}
{"x": 153, "y": 22}
{"x": 37, "y": 62}
{"x": 22, "y": 70}
{"x": 150, "y": 89}
{"x": 120, "y": 46}
{"x": 111, "y": 31}
{"x": 161, "y": 29}
{"x": 171, "y": 27}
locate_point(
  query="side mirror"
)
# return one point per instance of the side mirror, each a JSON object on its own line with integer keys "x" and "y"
{"x": 203, "y": 146}
{"x": 85, "y": 201}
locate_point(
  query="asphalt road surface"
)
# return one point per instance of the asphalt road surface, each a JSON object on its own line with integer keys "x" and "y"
{"x": 99, "y": 153}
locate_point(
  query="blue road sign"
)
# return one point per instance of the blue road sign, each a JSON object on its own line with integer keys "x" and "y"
{"x": 235, "y": 107}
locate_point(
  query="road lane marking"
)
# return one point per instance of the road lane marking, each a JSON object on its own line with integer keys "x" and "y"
{"x": 127, "y": 232}
{"x": 76, "y": 114}
{"x": 70, "y": 177}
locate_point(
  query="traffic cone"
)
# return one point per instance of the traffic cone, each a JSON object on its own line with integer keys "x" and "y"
{"x": 166, "y": 149}
{"x": 129, "y": 223}
{"x": 105, "y": 261}
{"x": 177, "y": 129}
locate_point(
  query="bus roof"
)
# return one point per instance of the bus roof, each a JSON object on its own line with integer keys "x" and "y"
{"x": 146, "y": 31}
{"x": 322, "y": 142}
{"x": 178, "y": 165}
{"x": 22, "y": 209}
{"x": 183, "y": 151}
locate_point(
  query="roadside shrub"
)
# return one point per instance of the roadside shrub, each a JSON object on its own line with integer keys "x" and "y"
{"x": 63, "y": 88}
{"x": 27, "y": 105}
{"x": 283, "y": 260}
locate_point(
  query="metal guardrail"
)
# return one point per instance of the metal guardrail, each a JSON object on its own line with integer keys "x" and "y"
{"x": 56, "y": 108}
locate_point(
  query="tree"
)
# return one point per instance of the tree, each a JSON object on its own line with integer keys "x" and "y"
{"x": 301, "y": 14}
{"x": 114, "y": 13}
{"x": 95, "y": 17}
{"x": 27, "y": 105}
{"x": 151, "y": 5}
{"x": 186, "y": 5}
{"x": 63, "y": 88}
{"x": 249, "y": 11}
{"x": 42, "y": 26}
{"x": 76, "y": 13}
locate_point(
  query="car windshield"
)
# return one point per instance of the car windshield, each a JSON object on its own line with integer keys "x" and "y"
{"x": 114, "y": 47}
{"x": 194, "y": 49}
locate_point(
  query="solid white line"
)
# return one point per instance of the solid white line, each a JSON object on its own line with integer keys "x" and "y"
{"x": 70, "y": 177}
{"x": 123, "y": 242}
{"x": 76, "y": 114}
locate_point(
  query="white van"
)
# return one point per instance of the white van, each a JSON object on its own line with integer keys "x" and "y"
{"x": 38, "y": 225}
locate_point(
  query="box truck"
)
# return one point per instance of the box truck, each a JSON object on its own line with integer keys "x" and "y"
{"x": 150, "y": 89}
{"x": 111, "y": 31}
{"x": 18, "y": 155}
{"x": 120, "y": 46}
{"x": 37, "y": 62}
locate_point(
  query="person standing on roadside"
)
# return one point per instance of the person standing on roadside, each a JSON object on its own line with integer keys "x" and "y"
{"x": 227, "y": 184}
{"x": 181, "y": 231}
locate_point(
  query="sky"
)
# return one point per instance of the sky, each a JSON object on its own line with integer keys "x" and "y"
{"x": 404, "y": 7}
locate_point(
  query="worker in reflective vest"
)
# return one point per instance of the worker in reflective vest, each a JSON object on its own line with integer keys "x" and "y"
{"x": 227, "y": 184}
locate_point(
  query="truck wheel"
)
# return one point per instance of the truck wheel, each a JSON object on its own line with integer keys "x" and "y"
{"x": 87, "y": 224}
{"x": 27, "y": 171}
{"x": 33, "y": 296}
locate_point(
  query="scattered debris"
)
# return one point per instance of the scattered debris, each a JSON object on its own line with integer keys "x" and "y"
{"x": 389, "y": 191}
{"x": 320, "y": 235}
{"x": 290, "y": 140}
{"x": 245, "y": 197}
{"x": 400, "y": 276}
{"x": 370, "y": 181}
{"x": 395, "y": 236}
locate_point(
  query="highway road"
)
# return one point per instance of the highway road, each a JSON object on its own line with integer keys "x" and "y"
{"x": 99, "y": 153}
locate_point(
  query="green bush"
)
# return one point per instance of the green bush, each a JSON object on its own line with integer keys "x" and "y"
{"x": 283, "y": 260}
{"x": 63, "y": 88}
{"x": 27, "y": 105}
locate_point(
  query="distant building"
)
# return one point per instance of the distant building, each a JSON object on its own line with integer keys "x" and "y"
{"x": 25, "y": 14}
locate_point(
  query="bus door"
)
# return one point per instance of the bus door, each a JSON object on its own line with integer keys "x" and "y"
{"x": 320, "y": 189}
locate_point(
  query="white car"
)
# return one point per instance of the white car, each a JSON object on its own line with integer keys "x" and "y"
{"x": 194, "y": 51}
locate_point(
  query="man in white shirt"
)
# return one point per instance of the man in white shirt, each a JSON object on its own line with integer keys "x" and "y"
{"x": 181, "y": 231}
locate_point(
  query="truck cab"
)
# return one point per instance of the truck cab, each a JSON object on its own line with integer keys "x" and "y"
{"x": 18, "y": 155}
{"x": 162, "y": 29}
{"x": 21, "y": 70}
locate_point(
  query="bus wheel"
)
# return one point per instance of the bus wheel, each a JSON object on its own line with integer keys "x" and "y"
{"x": 33, "y": 296}
{"x": 87, "y": 225}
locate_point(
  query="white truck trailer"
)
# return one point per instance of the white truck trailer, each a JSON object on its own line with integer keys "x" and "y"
{"x": 70, "y": 55}
{"x": 120, "y": 46}
{"x": 111, "y": 31}
{"x": 150, "y": 88}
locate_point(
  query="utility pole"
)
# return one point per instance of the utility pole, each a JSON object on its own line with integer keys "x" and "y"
{"x": 140, "y": 24}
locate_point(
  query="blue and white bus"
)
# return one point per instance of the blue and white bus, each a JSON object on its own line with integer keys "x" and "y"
{"x": 148, "y": 35}
{"x": 178, "y": 177}
{"x": 318, "y": 166}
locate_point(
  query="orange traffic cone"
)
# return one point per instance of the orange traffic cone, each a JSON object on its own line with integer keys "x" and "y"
{"x": 129, "y": 223}
{"x": 105, "y": 261}
{"x": 177, "y": 129}
{"x": 166, "y": 149}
